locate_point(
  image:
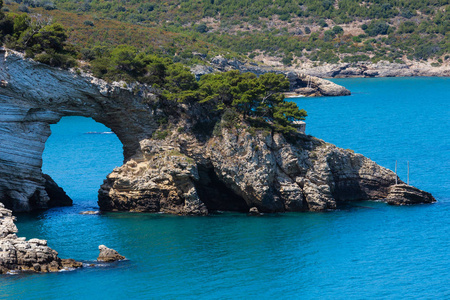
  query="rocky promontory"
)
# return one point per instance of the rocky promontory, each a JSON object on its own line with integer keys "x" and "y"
{"x": 237, "y": 169}
{"x": 327, "y": 70}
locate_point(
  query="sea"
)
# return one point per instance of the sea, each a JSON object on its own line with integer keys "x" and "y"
{"x": 366, "y": 250}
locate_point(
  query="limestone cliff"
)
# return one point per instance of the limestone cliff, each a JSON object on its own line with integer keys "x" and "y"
{"x": 33, "y": 96}
{"x": 178, "y": 158}
{"x": 237, "y": 169}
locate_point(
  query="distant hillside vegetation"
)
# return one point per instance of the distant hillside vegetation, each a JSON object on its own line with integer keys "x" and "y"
{"x": 288, "y": 31}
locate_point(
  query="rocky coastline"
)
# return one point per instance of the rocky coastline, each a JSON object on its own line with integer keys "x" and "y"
{"x": 379, "y": 69}
{"x": 195, "y": 162}
{"x": 326, "y": 70}
{"x": 237, "y": 170}
{"x": 17, "y": 254}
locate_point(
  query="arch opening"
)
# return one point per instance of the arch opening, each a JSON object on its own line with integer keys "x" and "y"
{"x": 78, "y": 156}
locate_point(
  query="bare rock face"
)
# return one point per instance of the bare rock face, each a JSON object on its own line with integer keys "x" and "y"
{"x": 162, "y": 180}
{"x": 19, "y": 254}
{"x": 238, "y": 170}
{"x": 33, "y": 96}
{"x": 108, "y": 254}
{"x": 308, "y": 85}
{"x": 402, "y": 194}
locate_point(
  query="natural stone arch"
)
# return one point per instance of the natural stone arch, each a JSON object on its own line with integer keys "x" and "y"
{"x": 32, "y": 97}
{"x": 177, "y": 172}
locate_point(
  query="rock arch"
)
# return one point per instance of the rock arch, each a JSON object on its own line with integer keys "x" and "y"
{"x": 33, "y": 96}
{"x": 186, "y": 164}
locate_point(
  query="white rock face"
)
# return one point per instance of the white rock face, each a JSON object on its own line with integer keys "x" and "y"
{"x": 33, "y": 96}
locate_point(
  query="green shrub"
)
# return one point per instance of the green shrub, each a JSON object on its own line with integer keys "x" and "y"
{"x": 160, "y": 135}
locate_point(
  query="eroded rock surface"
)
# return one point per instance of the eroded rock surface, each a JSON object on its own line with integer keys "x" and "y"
{"x": 108, "y": 254}
{"x": 32, "y": 97}
{"x": 403, "y": 194}
{"x": 19, "y": 254}
{"x": 249, "y": 170}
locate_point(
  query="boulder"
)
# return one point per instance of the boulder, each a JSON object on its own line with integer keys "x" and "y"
{"x": 18, "y": 254}
{"x": 253, "y": 211}
{"x": 108, "y": 255}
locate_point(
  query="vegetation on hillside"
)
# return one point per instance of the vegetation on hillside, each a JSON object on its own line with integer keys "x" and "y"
{"x": 295, "y": 31}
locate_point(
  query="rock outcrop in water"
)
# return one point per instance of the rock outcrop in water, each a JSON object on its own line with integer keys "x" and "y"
{"x": 33, "y": 96}
{"x": 237, "y": 170}
{"x": 108, "y": 254}
{"x": 19, "y": 254}
{"x": 178, "y": 158}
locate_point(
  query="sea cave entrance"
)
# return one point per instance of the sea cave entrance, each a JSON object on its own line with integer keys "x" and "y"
{"x": 78, "y": 155}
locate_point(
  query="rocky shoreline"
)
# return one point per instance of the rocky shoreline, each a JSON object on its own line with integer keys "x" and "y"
{"x": 236, "y": 170}
{"x": 380, "y": 69}
{"x": 19, "y": 254}
{"x": 194, "y": 162}
{"x": 325, "y": 70}
{"x": 197, "y": 160}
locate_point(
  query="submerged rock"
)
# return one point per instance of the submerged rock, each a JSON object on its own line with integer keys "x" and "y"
{"x": 108, "y": 254}
{"x": 90, "y": 212}
{"x": 253, "y": 211}
{"x": 19, "y": 254}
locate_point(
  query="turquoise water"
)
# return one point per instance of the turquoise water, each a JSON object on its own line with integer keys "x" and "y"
{"x": 368, "y": 250}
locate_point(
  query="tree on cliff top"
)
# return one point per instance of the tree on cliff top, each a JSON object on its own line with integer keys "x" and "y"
{"x": 256, "y": 98}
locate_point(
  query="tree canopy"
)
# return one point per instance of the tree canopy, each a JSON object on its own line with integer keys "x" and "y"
{"x": 258, "y": 98}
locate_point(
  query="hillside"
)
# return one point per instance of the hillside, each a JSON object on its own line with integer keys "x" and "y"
{"x": 288, "y": 32}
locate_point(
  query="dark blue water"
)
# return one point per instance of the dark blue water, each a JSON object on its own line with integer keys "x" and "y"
{"x": 370, "y": 250}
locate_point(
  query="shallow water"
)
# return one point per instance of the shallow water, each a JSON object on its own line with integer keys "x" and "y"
{"x": 368, "y": 250}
